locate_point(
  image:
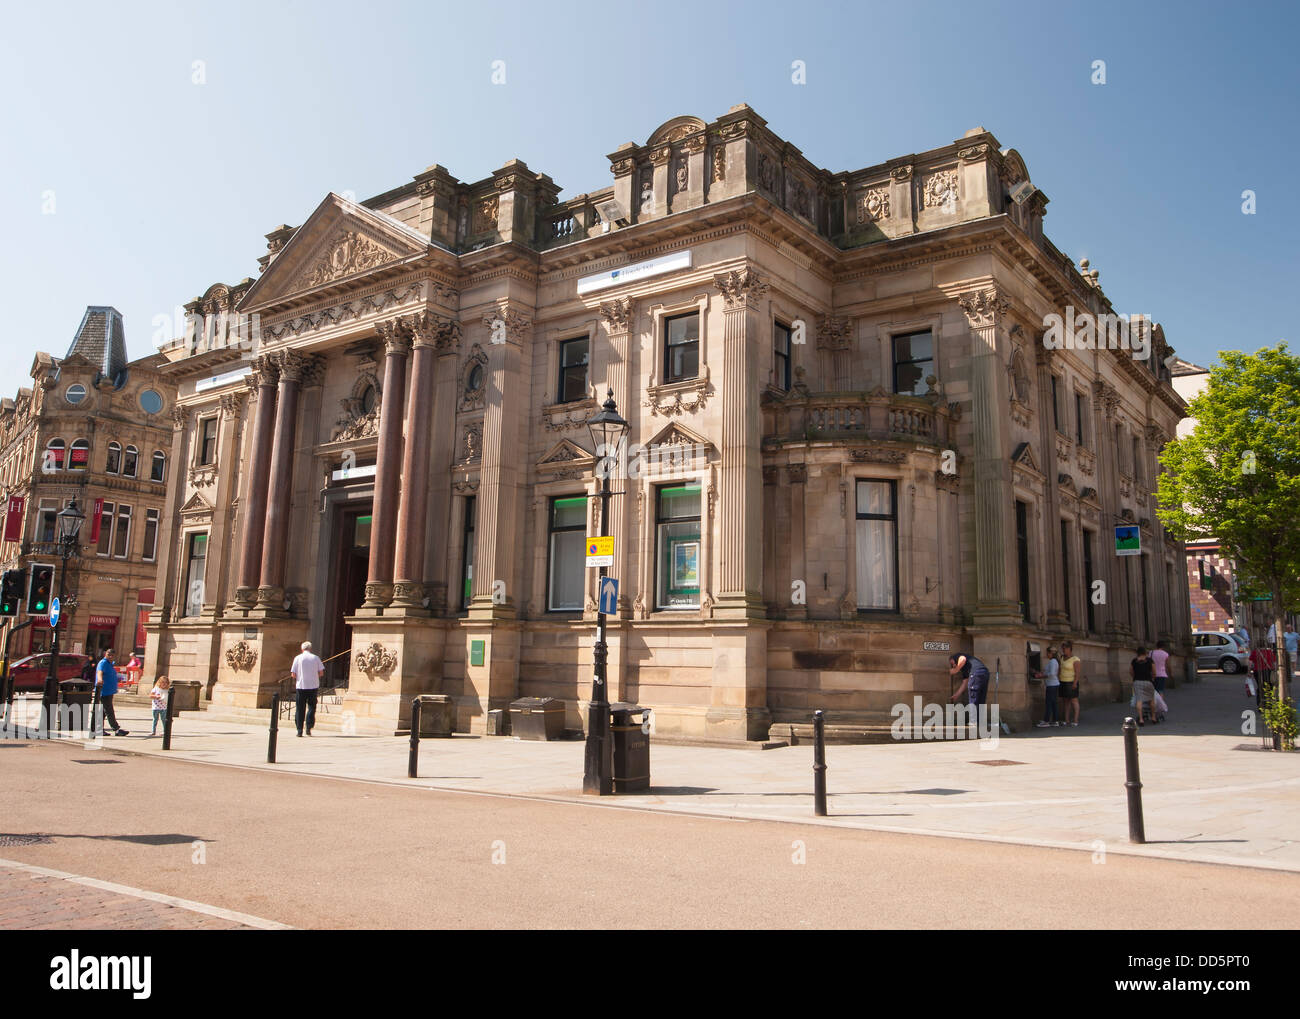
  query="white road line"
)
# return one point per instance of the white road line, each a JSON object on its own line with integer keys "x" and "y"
{"x": 140, "y": 893}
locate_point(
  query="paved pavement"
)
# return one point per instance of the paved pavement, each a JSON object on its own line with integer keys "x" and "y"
{"x": 1210, "y": 793}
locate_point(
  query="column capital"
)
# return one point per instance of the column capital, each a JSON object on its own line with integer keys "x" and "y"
{"x": 740, "y": 287}
{"x": 293, "y": 365}
{"x": 431, "y": 330}
{"x": 233, "y": 403}
{"x": 617, "y": 314}
{"x": 180, "y": 417}
{"x": 506, "y": 325}
{"x": 984, "y": 308}
{"x": 265, "y": 372}
{"x": 396, "y": 335}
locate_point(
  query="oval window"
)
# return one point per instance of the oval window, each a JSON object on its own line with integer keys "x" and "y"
{"x": 151, "y": 401}
{"x": 76, "y": 394}
{"x": 368, "y": 400}
{"x": 475, "y": 381}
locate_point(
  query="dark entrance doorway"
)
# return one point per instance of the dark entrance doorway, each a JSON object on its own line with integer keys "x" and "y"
{"x": 351, "y": 568}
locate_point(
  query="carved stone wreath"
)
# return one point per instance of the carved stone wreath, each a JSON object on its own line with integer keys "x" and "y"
{"x": 375, "y": 658}
{"x": 241, "y": 657}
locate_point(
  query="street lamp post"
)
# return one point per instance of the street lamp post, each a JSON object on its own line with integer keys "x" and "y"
{"x": 70, "y": 521}
{"x": 607, "y": 429}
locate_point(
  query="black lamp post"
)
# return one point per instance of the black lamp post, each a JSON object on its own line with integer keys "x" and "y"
{"x": 607, "y": 429}
{"x": 70, "y": 520}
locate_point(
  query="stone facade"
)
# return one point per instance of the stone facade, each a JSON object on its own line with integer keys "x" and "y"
{"x": 837, "y": 393}
{"x": 95, "y": 428}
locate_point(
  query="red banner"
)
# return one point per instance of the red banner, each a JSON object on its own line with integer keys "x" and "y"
{"x": 96, "y": 519}
{"x": 14, "y": 518}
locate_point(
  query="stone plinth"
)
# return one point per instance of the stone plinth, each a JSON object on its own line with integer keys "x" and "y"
{"x": 254, "y": 658}
{"x": 393, "y": 661}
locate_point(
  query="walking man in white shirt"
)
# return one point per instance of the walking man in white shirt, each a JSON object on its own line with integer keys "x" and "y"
{"x": 306, "y": 670}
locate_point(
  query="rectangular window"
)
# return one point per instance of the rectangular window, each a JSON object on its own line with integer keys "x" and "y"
{"x": 573, "y": 370}
{"x": 196, "y": 561}
{"x": 781, "y": 356}
{"x": 467, "y": 554}
{"x": 913, "y": 363}
{"x": 1087, "y": 581}
{"x": 1056, "y": 403}
{"x": 1138, "y": 474}
{"x": 1065, "y": 566}
{"x": 150, "y": 535}
{"x": 105, "y": 529}
{"x": 48, "y": 523}
{"x": 1080, "y": 418}
{"x": 677, "y": 547}
{"x": 207, "y": 441}
{"x": 682, "y": 347}
{"x": 1022, "y": 556}
{"x": 122, "y": 539}
{"x": 877, "y": 540}
{"x": 568, "y": 534}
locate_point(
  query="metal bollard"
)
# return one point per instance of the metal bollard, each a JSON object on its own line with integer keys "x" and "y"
{"x": 168, "y": 715}
{"x": 95, "y": 727}
{"x": 275, "y": 716}
{"x": 1136, "y": 829}
{"x": 819, "y": 763}
{"x": 413, "y": 762}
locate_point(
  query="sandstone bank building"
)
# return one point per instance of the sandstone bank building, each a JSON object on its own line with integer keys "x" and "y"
{"x": 402, "y": 468}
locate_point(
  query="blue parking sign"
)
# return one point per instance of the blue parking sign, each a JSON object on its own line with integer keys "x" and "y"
{"x": 609, "y": 595}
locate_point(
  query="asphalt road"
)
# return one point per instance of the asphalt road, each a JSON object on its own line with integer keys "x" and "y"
{"x": 327, "y": 853}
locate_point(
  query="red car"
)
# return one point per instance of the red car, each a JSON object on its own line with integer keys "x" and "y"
{"x": 29, "y": 673}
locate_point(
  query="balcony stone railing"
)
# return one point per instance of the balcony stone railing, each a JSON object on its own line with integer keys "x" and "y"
{"x": 856, "y": 417}
{"x": 570, "y": 221}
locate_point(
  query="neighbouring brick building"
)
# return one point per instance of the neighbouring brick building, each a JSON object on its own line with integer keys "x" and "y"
{"x": 94, "y": 427}
{"x": 872, "y": 447}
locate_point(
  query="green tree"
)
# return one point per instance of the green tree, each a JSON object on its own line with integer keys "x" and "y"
{"x": 1236, "y": 477}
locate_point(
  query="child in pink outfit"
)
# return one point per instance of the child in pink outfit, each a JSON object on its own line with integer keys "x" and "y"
{"x": 158, "y": 700}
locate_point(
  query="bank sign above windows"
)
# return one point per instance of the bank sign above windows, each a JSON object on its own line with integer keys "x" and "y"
{"x": 636, "y": 271}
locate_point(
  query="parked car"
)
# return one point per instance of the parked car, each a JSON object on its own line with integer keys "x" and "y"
{"x": 29, "y": 673}
{"x": 1220, "y": 651}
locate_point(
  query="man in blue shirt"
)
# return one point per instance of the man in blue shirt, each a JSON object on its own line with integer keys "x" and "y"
{"x": 106, "y": 680}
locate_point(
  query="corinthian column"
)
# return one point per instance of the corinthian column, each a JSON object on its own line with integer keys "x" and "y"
{"x": 740, "y": 591}
{"x": 996, "y": 601}
{"x": 388, "y": 464}
{"x": 252, "y": 513}
{"x": 426, "y": 330}
{"x": 270, "y": 592}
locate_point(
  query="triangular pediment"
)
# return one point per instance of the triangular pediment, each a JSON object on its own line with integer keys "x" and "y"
{"x": 339, "y": 241}
{"x": 197, "y": 504}
{"x": 565, "y": 453}
{"x": 675, "y": 434}
{"x": 1024, "y": 456}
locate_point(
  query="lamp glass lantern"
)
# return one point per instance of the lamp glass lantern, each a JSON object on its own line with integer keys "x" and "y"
{"x": 70, "y": 521}
{"x": 607, "y": 429}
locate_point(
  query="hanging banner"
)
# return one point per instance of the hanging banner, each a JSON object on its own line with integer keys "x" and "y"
{"x": 14, "y": 518}
{"x": 95, "y": 520}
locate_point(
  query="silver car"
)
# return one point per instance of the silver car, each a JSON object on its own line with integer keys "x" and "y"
{"x": 1219, "y": 651}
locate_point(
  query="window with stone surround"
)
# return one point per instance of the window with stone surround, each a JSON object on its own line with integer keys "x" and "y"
{"x": 79, "y": 455}
{"x": 55, "y": 451}
{"x": 113, "y": 465}
{"x": 566, "y": 568}
{"x": 1088, "y": 580}
{"x": 467, "y": 554}
{"x": 781, "y": 356}
{"x": 913, "y": 362}
{"x": 122, "y": 536}
{"x": 1081, "y": 420}
{"x": 130, "y": 461}
{"x": 105, "y": 544}
{"x": 682, "y": 347}
{"x": 1065, "y": 567}
{"x": 1056, "y": 403}
{"x": 207, "y": 441}
{"x": 196, "y": 560}
{"x": 677, "y": 546}
{"x": 877, "y": 545}
{"x": 572, "y": 383}
{"x": 158, "y": 469}
{"x": 1022, "y": 558}
{"x": 150, "y": 535}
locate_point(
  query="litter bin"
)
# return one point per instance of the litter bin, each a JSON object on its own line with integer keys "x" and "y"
{"x": 631, "y": 748}
{"x": 74, "y": 704}
{"x": 537, "y": 718}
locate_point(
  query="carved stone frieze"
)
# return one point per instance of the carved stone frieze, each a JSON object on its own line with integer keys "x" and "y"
{"x": 834, "y": 332}
{"x": 375, "y": 659}
{"x": 679, "y": 398}
{"x": 719, "y": 164}
{"x": 471, "y": 443}
{"x": 353, "y": 252}
{"x": 241, "y": 657}
{"x": 873, "y": 205}
{"x": 472, "y": 384}
{"x": 940, "y": 189}
{"x": 347, "y": 311}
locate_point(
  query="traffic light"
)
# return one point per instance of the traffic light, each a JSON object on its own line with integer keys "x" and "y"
{"x": 12, "y": 585}
{"x": 38, "y": 595}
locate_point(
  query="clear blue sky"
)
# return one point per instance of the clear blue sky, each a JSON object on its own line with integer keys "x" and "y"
{"x": 162, "y": 186}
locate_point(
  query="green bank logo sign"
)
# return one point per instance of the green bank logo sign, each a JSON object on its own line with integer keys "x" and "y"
{"x": 636, "y": 271}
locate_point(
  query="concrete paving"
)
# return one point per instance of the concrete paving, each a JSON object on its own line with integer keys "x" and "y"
{"x": 1211, "y": 793}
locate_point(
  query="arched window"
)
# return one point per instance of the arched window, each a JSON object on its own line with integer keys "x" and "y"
{"x": 79, "y": 457}
{"x": 158, "y": 472}
{"x": 129, "y": 462}
{"x": 114, "y": 463}
{"x": 53, "y": 458}
{"x": 368, "y": 398}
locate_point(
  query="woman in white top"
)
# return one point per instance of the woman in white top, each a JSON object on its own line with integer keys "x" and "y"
{"x": 1051, "y": 676}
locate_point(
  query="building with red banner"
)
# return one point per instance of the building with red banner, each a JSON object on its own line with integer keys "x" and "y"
{"x": 93, "y": 427}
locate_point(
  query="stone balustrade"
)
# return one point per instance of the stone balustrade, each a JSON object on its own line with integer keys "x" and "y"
{"x": 853, "y": 417}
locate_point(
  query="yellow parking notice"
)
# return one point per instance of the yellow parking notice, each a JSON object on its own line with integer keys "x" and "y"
{"x": 600, "y": 551}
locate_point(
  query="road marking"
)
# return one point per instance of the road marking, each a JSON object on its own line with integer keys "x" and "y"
{"x": 140, "y": 893}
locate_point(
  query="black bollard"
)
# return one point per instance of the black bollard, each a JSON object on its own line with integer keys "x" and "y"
{"x": 275, "y": 716}
{"x": 819, "y": 763}
{"x": 94, "y": 713}
{"x": 413, "y": 763}
{"x": 168, "y": 715}
{"x": 1136, "y": 829}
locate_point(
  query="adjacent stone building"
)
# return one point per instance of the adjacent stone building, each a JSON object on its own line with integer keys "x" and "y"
{"x": 852, "y": 443}
{"x": 94, "y": 427}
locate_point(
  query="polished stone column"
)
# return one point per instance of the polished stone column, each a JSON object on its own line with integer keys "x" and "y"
{"x": 995, "y": 540}
{"x": 388, "y": 464}
{"x": 270, "y": 591}
{"x": 228, "y": 480}
{"x": 444, "y": 536}
{"x": 740, "y": 584}
{"x": 252, "y": 512}
{"x": 408, "y": 591}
